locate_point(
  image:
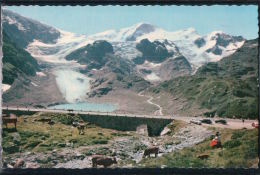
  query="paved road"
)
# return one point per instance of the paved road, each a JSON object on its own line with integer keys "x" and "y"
{"x": 85, "y": 112}
{"x": 231, "y": 123}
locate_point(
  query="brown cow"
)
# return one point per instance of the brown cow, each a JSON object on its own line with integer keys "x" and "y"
{"x": 203, "y": 156}
{"x": 105, "y": 161}
{"x": 44, "y": 120}
{"x": 151, "y": 150}
{"x": 11, "y": 119}
{"x": 94, "y": 159}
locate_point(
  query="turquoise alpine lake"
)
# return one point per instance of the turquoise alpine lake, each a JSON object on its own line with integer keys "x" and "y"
{"x": 92, "y": 107}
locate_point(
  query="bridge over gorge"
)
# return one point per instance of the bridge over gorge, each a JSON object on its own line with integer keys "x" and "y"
{"x": 231, "y": 123}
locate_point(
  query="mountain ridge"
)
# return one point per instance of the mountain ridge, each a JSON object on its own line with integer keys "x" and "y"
{"x": 197, "y": 49}
{"x": 184, "y": 39}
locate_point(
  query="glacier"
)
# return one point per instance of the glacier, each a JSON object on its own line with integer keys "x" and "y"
{"x": 72, "y": 84}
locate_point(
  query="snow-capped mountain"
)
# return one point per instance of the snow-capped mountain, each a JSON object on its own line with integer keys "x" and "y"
{"x": 42, "y": 41}
{"x": 197, "y": 49}
{"x": 56, "y": 52}
{"x": 125, "y": 34}
{"x": 148, "y": 46}
{"x": 48, "y": 43}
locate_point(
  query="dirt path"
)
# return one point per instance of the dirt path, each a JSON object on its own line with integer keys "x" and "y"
{"x": 159, "y": 111}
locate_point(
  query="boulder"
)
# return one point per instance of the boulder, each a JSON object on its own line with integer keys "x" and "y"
{"x": 19, "y": 163}
{"x": 10, "y": 166}
{"x": 165, "y": 131}
{"x": 32, "y": 165}
{"x": 61, "y": 144}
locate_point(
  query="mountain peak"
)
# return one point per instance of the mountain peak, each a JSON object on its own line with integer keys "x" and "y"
{"x": 224, "y": 39}
{"x": 143, "y": 25}
{"x": 144, "y": 28}
{"x": 139, "y": 30}
{"x": 215, "y": 33}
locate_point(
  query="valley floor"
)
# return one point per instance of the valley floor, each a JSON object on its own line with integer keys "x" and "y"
{"x": 47, "y": 92}
{"x": 128, "y": 102}
{"x": 59, "y": 145}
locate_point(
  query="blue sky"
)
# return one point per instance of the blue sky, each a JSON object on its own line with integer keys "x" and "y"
{"x": 234, "y": 20}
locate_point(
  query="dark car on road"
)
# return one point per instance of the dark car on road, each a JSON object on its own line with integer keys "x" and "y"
{"x": 221, "y": 121}
{"x": 194, "y": 121}
{"x": 207, "y": 121}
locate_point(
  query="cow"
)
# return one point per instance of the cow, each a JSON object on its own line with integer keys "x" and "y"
{"x": 81, "y": 127}
{"x": 44, "y": 120}
{"x": 203, "y": 156}
{"x": 152, "y": 150}
{"x": 11, "y": 119}
{"x": 94, "y": 159}
{"x": 105, "y": 161}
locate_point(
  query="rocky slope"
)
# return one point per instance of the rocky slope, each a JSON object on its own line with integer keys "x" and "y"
{"x": 93, "y": 55}
{"x": 156, "y": 61}
{"x": 155, "y": 52}
{"x": 109, "y": 72}
{"x": 225, "y": 88}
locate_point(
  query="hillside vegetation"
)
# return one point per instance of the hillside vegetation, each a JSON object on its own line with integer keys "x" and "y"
{"x": 239, "y": 151}
{"x": 226, "y": 88}
{"x": 16, "y": 61}
{"x": 34, "y": 135}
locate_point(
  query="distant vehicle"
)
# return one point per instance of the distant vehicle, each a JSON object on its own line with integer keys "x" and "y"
{"x": 207, "y": 121}
{"x": 39, "y": 106}
{"x": 195, "y": 121}
{"x": 221, "y": 121}
{"x": 255, "y": 125}
{"x": 70, "y": 110}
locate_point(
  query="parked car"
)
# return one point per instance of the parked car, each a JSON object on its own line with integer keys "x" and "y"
{"x": 195, "y": 121}
{"x": 221, "y": 121}
{"x": 207, "y": 121}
